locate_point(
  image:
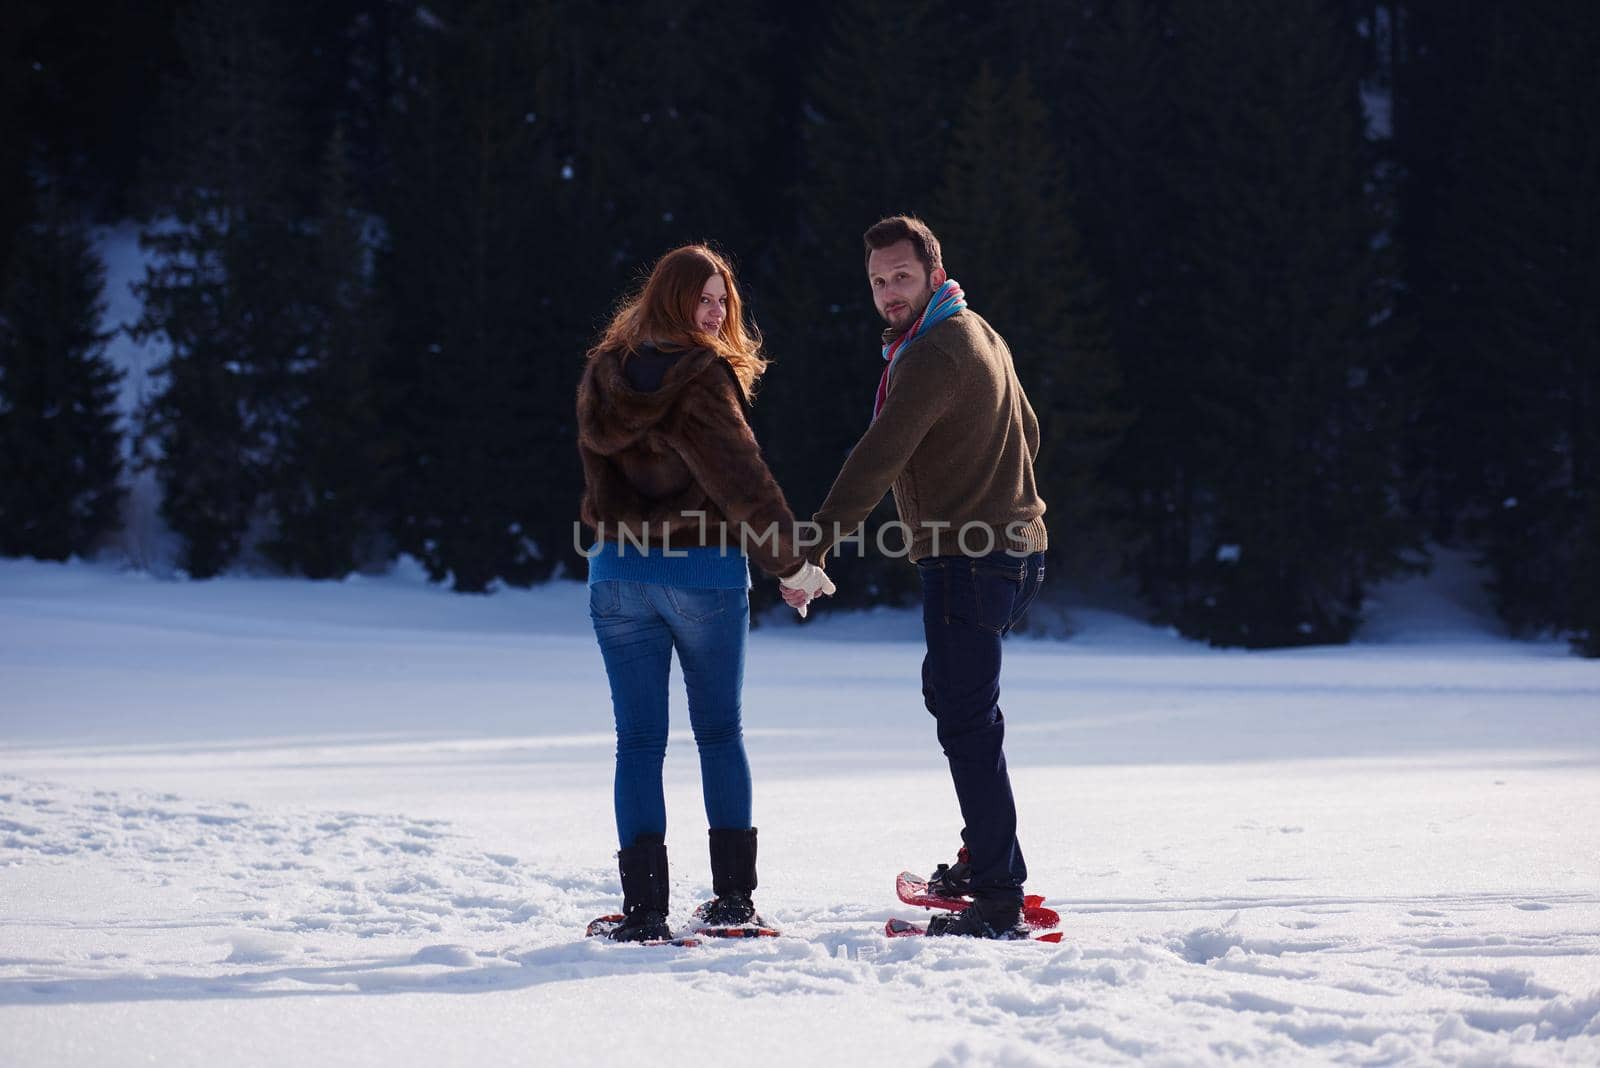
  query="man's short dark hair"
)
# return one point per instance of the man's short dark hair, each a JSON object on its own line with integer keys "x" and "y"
{"x": 897, "y": 228}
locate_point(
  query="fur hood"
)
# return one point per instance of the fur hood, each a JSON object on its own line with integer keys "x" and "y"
{"x": 613, "y": 415}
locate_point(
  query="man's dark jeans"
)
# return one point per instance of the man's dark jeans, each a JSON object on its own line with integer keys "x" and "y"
{"x": 969, "y": 603}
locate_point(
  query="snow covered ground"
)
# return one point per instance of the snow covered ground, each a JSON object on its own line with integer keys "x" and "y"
{"x": 267, "y": 822}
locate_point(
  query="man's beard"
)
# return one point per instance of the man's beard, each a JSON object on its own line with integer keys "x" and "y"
{"x": 912, "y": 311}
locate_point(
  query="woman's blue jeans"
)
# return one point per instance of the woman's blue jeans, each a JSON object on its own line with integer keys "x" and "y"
{"x": 639, "y": 625}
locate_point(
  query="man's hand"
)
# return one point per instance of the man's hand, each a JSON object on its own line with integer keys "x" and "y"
{"x": 806, "y": 584}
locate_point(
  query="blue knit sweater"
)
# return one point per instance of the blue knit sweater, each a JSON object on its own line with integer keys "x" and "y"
{"x": 706, "y": 567}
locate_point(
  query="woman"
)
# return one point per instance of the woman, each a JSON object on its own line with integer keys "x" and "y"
{"x": 675, "y": 487}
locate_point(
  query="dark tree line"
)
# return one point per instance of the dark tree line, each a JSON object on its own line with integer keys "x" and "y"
{"x": 1298, "y": 287}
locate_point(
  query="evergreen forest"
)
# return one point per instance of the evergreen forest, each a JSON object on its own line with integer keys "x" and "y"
{"x": 1300, "y": 289}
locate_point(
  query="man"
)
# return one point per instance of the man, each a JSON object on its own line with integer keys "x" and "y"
{"x": 954, "y": 436}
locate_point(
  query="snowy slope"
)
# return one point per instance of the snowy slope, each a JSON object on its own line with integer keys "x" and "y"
{"x": 266, "y": 821}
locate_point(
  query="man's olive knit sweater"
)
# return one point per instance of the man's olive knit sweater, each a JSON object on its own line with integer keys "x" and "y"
{"x": 956, "y": 440}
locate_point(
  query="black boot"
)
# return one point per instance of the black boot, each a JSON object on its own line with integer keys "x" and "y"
{"x": 733, "y": 880}
{"x": 643, "y": 866}
{"x": 984, "y": 918}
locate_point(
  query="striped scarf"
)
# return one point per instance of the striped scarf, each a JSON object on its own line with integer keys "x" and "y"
{"x": 945, "y": 302}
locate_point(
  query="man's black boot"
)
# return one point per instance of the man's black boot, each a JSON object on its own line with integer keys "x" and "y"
{"x": 643, "y": 867}
{"x": 733, "y": 880}
{"x": 984, "y": 918}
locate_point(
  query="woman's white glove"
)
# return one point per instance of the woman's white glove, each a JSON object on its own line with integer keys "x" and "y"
{"x": 809, "y": 582}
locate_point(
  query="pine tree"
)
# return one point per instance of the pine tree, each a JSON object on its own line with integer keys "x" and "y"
{"x": 1439, "y": 56}
{"x": 1583, "y": 615}
{"x": 1289, "y": 307}
{"x": 877, "y": 116}
{"x": 557, "y": 157}
{"x": 60, "y": 445}
{"x": 225, "y": 289}
{"x": 654, "y": 144}
{"x": 327, "y": 479}
{"x": 880, "y": 113}
{"x": 20, "y": 86}
{"x": 1118, "y": 102}
{"x": 475, "y": 383}
{"x": 1008, "y": 235}
{"x": 653, "y": 138}
{"x": 1514, "y": 345}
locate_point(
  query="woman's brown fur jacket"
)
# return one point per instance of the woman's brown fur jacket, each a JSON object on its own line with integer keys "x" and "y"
{"x": 651, "y": 460}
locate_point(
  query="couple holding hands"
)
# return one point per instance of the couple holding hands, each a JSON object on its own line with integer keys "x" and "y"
{"x": 680, "y": 498}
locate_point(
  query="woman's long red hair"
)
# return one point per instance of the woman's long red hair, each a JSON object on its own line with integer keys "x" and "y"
{"x": 663, "y": 312}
